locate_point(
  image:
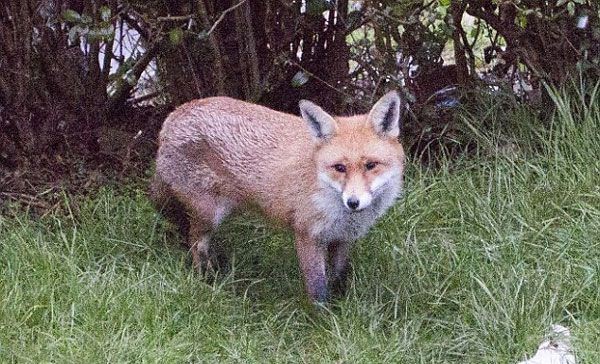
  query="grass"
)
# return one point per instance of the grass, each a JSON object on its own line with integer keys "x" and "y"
{"x": 473, "y": 265}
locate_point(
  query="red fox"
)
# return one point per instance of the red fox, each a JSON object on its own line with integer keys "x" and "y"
{"x": 328, "y": 178}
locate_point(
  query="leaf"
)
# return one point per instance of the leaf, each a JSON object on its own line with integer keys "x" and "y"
{"x": 176, "y": 36}
{"x": 523, "y": 21}
{"x": 123, "y": 69}
{"x": 561, "y": 2}
{"x": 446, "y": 29}
{"x": 317, "y": 7}
{"x": 444, "y": 2}
{"x": 73, "y": 34}
{"x": 299, "y": 79}
{"x": 71, "y": 16}
{"x": 101, "y": 33}
{"x": 105, "y": 13}
{"x": 86, "y": 19}
{"x": 203, "y": 34}
{"x": 571, "y": 8}
{"x": 354, "y": 19}
{"x": 131, "y": 79}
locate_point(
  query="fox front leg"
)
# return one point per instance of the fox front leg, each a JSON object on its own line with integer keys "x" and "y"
{"x": 311, "y": 257}
{"x": 339, "y": 266}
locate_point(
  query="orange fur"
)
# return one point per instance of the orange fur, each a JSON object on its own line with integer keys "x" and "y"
{"x": 217, "y": 154}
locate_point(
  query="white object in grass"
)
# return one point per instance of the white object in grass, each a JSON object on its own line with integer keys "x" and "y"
{"x": 556, "y": 350}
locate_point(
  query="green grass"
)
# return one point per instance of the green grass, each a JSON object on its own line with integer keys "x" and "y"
{"x": 473, "y": 265}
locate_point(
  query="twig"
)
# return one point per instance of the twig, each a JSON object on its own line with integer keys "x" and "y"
{"x": 323, "y": 81}
{"x": 403, "y": 22}
{"x": 222, "y": 16}
{"x": 175, "y": 18}
{"x": 144, "y": 97}
{"x": 123, "y": 87}
{"x": 131, "y": 22}
{"x": 127, "y": 159}
{"x": 27, "y": 199}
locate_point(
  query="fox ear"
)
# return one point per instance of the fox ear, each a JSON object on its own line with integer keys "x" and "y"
{"x": 385, "y": 115}
{"x": 321, "y": 124}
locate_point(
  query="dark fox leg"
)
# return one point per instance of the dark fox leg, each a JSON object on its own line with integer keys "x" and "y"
{"x": 169, "y": 206}
{"x": 311, "y": 257}
{"x": 200, "y": 249}
{"x": 207, "y": 211}
{"x": 339, "y": 267}
{"x": 196, "y": 220}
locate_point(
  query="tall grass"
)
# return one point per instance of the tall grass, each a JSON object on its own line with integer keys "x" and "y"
{"x": 473, "y": 265}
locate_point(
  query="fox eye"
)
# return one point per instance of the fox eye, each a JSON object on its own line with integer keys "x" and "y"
{"x": 339, "y": 168}
{"x": 370, "y": 165}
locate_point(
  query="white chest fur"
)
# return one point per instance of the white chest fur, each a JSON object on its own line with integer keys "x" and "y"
{"x": 341, "y": 224}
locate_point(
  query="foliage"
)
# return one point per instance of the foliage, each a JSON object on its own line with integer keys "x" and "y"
{"x": 78, "y": 63}
{"x": 541, "y": 41}
{"x": 68, "y": 68}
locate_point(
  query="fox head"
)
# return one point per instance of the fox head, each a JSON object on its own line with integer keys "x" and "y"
{"x": 360, "y": 157}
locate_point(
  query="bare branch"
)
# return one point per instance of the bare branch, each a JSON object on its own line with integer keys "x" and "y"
{"x": 215, "y": 48}
{"x": 174, "y": 18}
{"x": 108, "y": 57}
{"x": 222, "y": 16}
{"x": 327, "y": 84}
{"x": 247, "y": 44}
{"x": 124, "y": 87}
{"x": 133, "y": 23}
{"x": 510, "y": 33}
{"x": 143, "y": 98}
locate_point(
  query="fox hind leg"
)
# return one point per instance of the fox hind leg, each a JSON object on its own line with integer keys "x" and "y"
{"x": 169, "y": 205}
{"x": 207, "y": 213}
{"x": 199, "y": 243}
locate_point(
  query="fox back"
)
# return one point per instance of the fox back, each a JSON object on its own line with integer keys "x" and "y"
{"x": 328, "y": 178}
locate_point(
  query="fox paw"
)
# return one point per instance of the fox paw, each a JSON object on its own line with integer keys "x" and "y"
{"x": 212, "y": 264}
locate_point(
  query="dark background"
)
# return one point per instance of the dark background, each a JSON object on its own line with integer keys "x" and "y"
{"x": 85, "y": 85}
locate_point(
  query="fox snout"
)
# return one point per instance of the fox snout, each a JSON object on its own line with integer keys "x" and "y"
{"x": 355, "y": 201}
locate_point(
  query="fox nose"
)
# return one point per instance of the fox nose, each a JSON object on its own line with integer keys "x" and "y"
{"x": 353, "y": 203}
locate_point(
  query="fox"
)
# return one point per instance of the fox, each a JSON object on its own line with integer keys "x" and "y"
{"x": 327, "y": 178}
